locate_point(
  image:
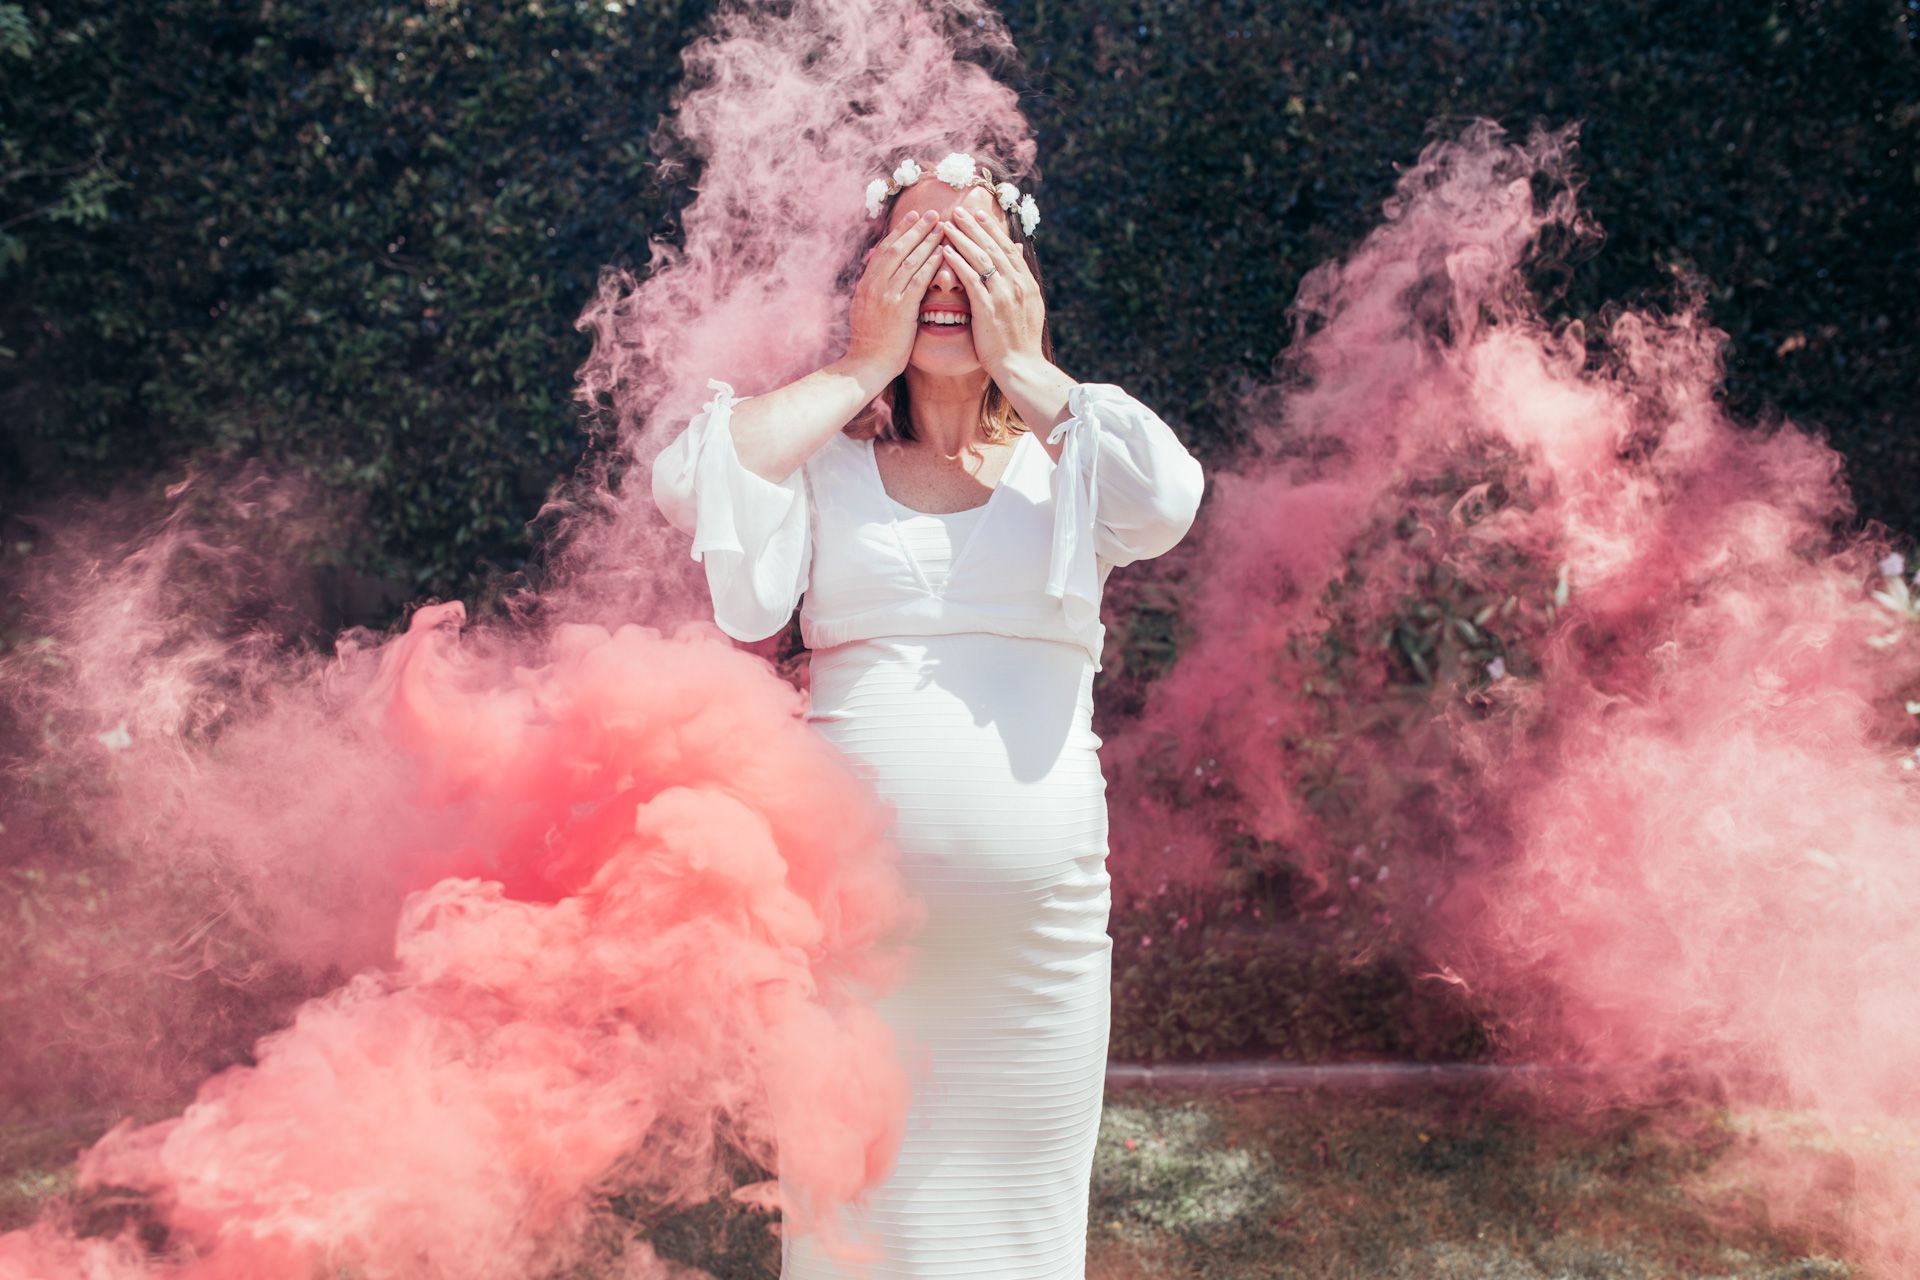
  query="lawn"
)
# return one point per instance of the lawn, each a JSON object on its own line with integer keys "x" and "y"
{"x": 1438, "y": 1184}
{"x": 1457, "y": 1182}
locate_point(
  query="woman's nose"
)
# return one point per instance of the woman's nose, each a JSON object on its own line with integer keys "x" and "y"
{"x": 944, "y": 277}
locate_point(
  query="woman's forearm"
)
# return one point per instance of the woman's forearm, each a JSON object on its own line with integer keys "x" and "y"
{"x": 1037, "y": 389}
{"x": 775, "y": 431}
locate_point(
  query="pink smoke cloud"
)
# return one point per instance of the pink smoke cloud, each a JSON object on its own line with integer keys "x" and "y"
{"x": 1598, "y": 671}
{"x": 664, "y": 950}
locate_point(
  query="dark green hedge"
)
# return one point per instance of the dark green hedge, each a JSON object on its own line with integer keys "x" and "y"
{"x": 1200, "y": 158}
{"x": 349, "y": 238}
{"x": 354, "y": 238}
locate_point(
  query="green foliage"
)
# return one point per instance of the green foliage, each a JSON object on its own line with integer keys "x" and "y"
{"x": 1302, "y": 953}
{"x": 348, "y": 239}
{"x": 1198, "y": 976}
{"x": 353, "y": 239}
{"x": 1200, "y": 158}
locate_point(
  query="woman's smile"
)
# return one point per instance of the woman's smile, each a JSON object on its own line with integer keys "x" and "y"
{"x": 944, "y": 320}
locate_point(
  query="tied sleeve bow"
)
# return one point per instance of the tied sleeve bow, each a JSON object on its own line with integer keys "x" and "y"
{"x": 1125, "y": 489}
{"x": 753, "y": 534}
{"x": 674, "y": 485}
{"x": 1073, "y": 574}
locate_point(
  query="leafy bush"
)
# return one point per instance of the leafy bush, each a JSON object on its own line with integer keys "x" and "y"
{"x": 347, "y": 239}
{"x": 1189, "y": 984}
{"x": 354, "y": 240}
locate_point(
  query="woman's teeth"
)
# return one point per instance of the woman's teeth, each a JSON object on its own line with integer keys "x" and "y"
{"x": 943, "y": 317}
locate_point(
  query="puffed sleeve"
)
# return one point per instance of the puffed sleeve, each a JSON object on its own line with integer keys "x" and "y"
{"x": 1125, "y": 489}
{"x": 753, "y": 535}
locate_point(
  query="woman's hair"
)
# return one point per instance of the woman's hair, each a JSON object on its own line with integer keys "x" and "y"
{"x": 890, "y": 415}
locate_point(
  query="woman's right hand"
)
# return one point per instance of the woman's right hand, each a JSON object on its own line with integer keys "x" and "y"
{"x": 884, "y": 317}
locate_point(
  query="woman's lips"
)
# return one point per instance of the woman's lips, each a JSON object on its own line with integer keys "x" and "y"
{"x": 934, "y": 326}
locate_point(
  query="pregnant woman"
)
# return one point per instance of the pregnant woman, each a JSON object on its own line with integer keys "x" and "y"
{"x": 943, "y": 504}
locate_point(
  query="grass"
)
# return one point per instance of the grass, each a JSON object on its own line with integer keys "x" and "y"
{"x": 36, "y": 1164}
{"x": 1436, "y": 1184}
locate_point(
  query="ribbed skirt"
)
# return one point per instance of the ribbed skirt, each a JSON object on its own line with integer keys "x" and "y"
{"x": 983, "y": 746}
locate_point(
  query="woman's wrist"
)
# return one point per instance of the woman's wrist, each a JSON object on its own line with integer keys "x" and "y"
{"x": 869, "y": 374}
{"x": 1037, "y": 388}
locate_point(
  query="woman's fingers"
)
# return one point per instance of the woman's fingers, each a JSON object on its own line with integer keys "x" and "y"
{"x": 970, "y": 279}
{"x": 996, "y": 230}
{"x": 885, "y": 244}
{"x": 995, "y": 235}
{"x": 968, "y": 250}
{"x": 979, "y": 248}
{"x": 912, "y": 229}
{"x": 908, "y": 225}
{"x": 916, "y": 287}
{"x": 916, "y": 257}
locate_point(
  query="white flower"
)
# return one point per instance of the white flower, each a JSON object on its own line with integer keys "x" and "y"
{"x": 908, "y": 173}
{"x": 1029, "y": 214}
{"x": 1893, "y": 566}
{"x": 1497, "y": 669}
{"x": 1009, "y": 196}
{"x": 116, "y": 738}
{"x": 956, "y": 170}
{"x": 876, "y": 196}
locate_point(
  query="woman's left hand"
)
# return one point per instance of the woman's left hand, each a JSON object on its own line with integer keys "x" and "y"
{"x": 1008, "y": 312}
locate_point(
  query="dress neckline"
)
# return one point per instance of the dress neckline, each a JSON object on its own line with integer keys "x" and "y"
{"x": 873, "y": 465}
{"x": 961, "y": 516}
{"x": 970, "y": 533}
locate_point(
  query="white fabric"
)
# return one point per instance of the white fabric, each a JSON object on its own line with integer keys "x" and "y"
{"x": 753, "y": 535}
{"x": 953, "y": 664}
{"x": 983, "y": 745}
{"x": 824, "y": 540}
{"x": 932, "y": 537}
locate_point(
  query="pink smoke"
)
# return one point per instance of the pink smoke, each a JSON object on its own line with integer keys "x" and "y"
{"x": 582, "y": 905}
{"x": 1607, "y": 685}
{"x": 791, "y": 109}
{"x": 658, "y": 900}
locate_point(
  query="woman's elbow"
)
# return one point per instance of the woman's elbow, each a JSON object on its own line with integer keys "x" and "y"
{"x": 1158, "y": 526}
{"x": 750, "y": 626}
{"x": 1178, "y": 501}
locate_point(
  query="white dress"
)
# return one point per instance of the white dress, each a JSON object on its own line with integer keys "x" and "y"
{"x": 952, "y": 662}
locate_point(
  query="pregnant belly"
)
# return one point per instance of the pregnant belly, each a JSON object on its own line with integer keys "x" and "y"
{"x": 983, "y": 748}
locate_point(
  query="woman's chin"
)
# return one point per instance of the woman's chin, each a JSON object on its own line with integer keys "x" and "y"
{"x": 945, "y": 358}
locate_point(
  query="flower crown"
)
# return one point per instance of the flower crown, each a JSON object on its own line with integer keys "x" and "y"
{"x": 959, "y": 172}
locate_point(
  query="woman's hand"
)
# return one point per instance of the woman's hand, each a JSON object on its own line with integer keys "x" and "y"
{"x": 884, "y": 317}
{"x": 1008, "y": 312}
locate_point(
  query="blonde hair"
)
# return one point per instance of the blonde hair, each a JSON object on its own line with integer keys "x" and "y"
{"x": 889, "y": 416}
